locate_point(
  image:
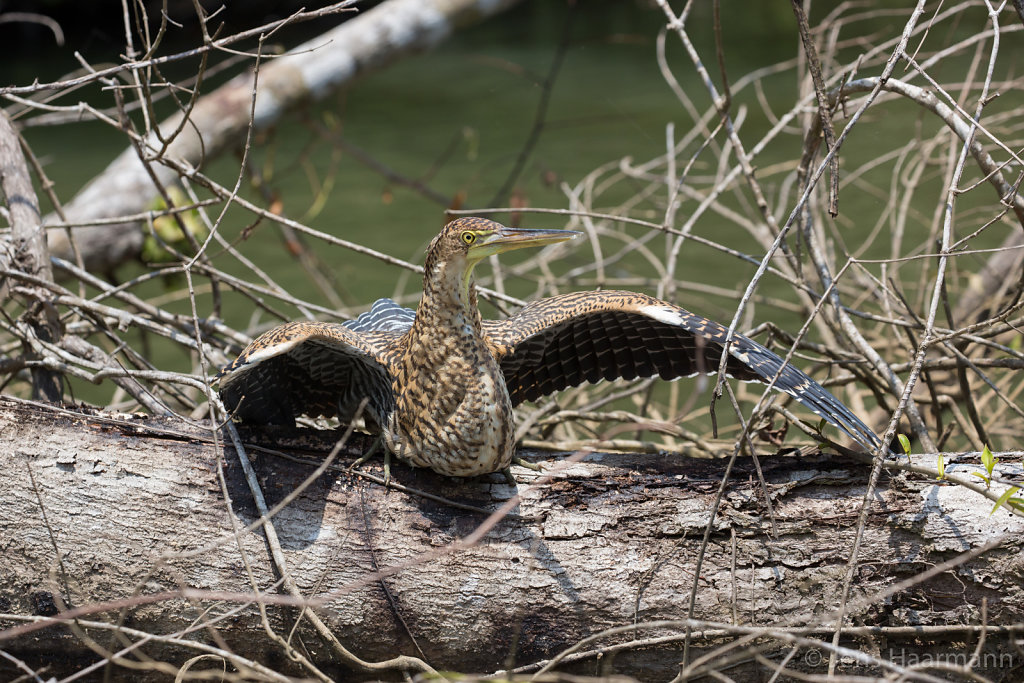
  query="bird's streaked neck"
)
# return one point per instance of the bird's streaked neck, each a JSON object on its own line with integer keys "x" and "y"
{"x": 448, "y": 286}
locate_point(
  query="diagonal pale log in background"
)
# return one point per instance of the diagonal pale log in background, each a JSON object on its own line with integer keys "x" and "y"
{"x": 370, "y": 41}
{"x": 611, "y": 541}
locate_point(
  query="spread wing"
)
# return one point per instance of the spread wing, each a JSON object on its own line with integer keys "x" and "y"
{"x": 566, "y": 340}
{"x": 316, "y": 368}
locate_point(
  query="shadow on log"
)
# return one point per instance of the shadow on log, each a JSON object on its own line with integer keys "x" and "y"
{"x": 135, "y": 507}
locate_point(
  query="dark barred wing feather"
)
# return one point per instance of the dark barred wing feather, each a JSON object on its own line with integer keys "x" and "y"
{"x": 566, "y": 340}
{"x": 311, "y": 368}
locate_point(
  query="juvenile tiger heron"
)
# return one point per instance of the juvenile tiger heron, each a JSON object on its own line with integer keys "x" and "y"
{"x": 440, "y": 383}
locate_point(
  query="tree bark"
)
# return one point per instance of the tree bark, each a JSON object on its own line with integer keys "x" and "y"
{"x": 27, "y": 252}
{"x": 97, "y": 508}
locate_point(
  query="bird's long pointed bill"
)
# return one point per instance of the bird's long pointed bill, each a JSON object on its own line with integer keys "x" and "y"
{"x": 518, "y": 238}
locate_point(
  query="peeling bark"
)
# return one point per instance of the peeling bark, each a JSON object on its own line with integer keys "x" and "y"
{"x": 611, "y": 541}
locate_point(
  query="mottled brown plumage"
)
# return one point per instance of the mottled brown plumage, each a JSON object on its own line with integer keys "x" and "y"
{"x": 441, "y": 383}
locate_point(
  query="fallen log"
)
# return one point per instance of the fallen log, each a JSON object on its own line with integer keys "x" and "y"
{"x": 127, "y": 520}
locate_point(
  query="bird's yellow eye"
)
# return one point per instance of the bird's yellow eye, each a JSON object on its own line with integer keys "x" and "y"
{"x": 468, "y": 237}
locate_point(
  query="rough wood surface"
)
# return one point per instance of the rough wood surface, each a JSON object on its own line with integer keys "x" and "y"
{"x": 612, "y": 540}
{"x": 26, "y": 251}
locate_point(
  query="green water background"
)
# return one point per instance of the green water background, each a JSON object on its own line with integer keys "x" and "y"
{"x": 471, "y": 103}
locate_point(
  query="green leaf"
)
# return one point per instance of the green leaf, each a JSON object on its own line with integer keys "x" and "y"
{"x": 988, "y": 460}
{"x": 941, "y": 467}
{"x": 1007, "y": 494}
{"x": 984, "y": 477}
{"x": 905, "y": 443}
{"x": 168, "y": 233}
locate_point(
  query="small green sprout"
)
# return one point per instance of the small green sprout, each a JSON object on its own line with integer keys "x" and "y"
{"x": 989, "y": 461}
{"x": 905, "y": 443}
{"x": 1007, "y": 497}
{"x": 820, "y": 427}
{"x": 941, "y": 466}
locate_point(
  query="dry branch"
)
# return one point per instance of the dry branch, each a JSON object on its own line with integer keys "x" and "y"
{"x": 27, "y": 252}
{"x": 221, "y": 119}
{"x": 132, "y": 509}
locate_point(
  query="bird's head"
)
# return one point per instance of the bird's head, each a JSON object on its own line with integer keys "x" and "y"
{"x": 466, "y": 241}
